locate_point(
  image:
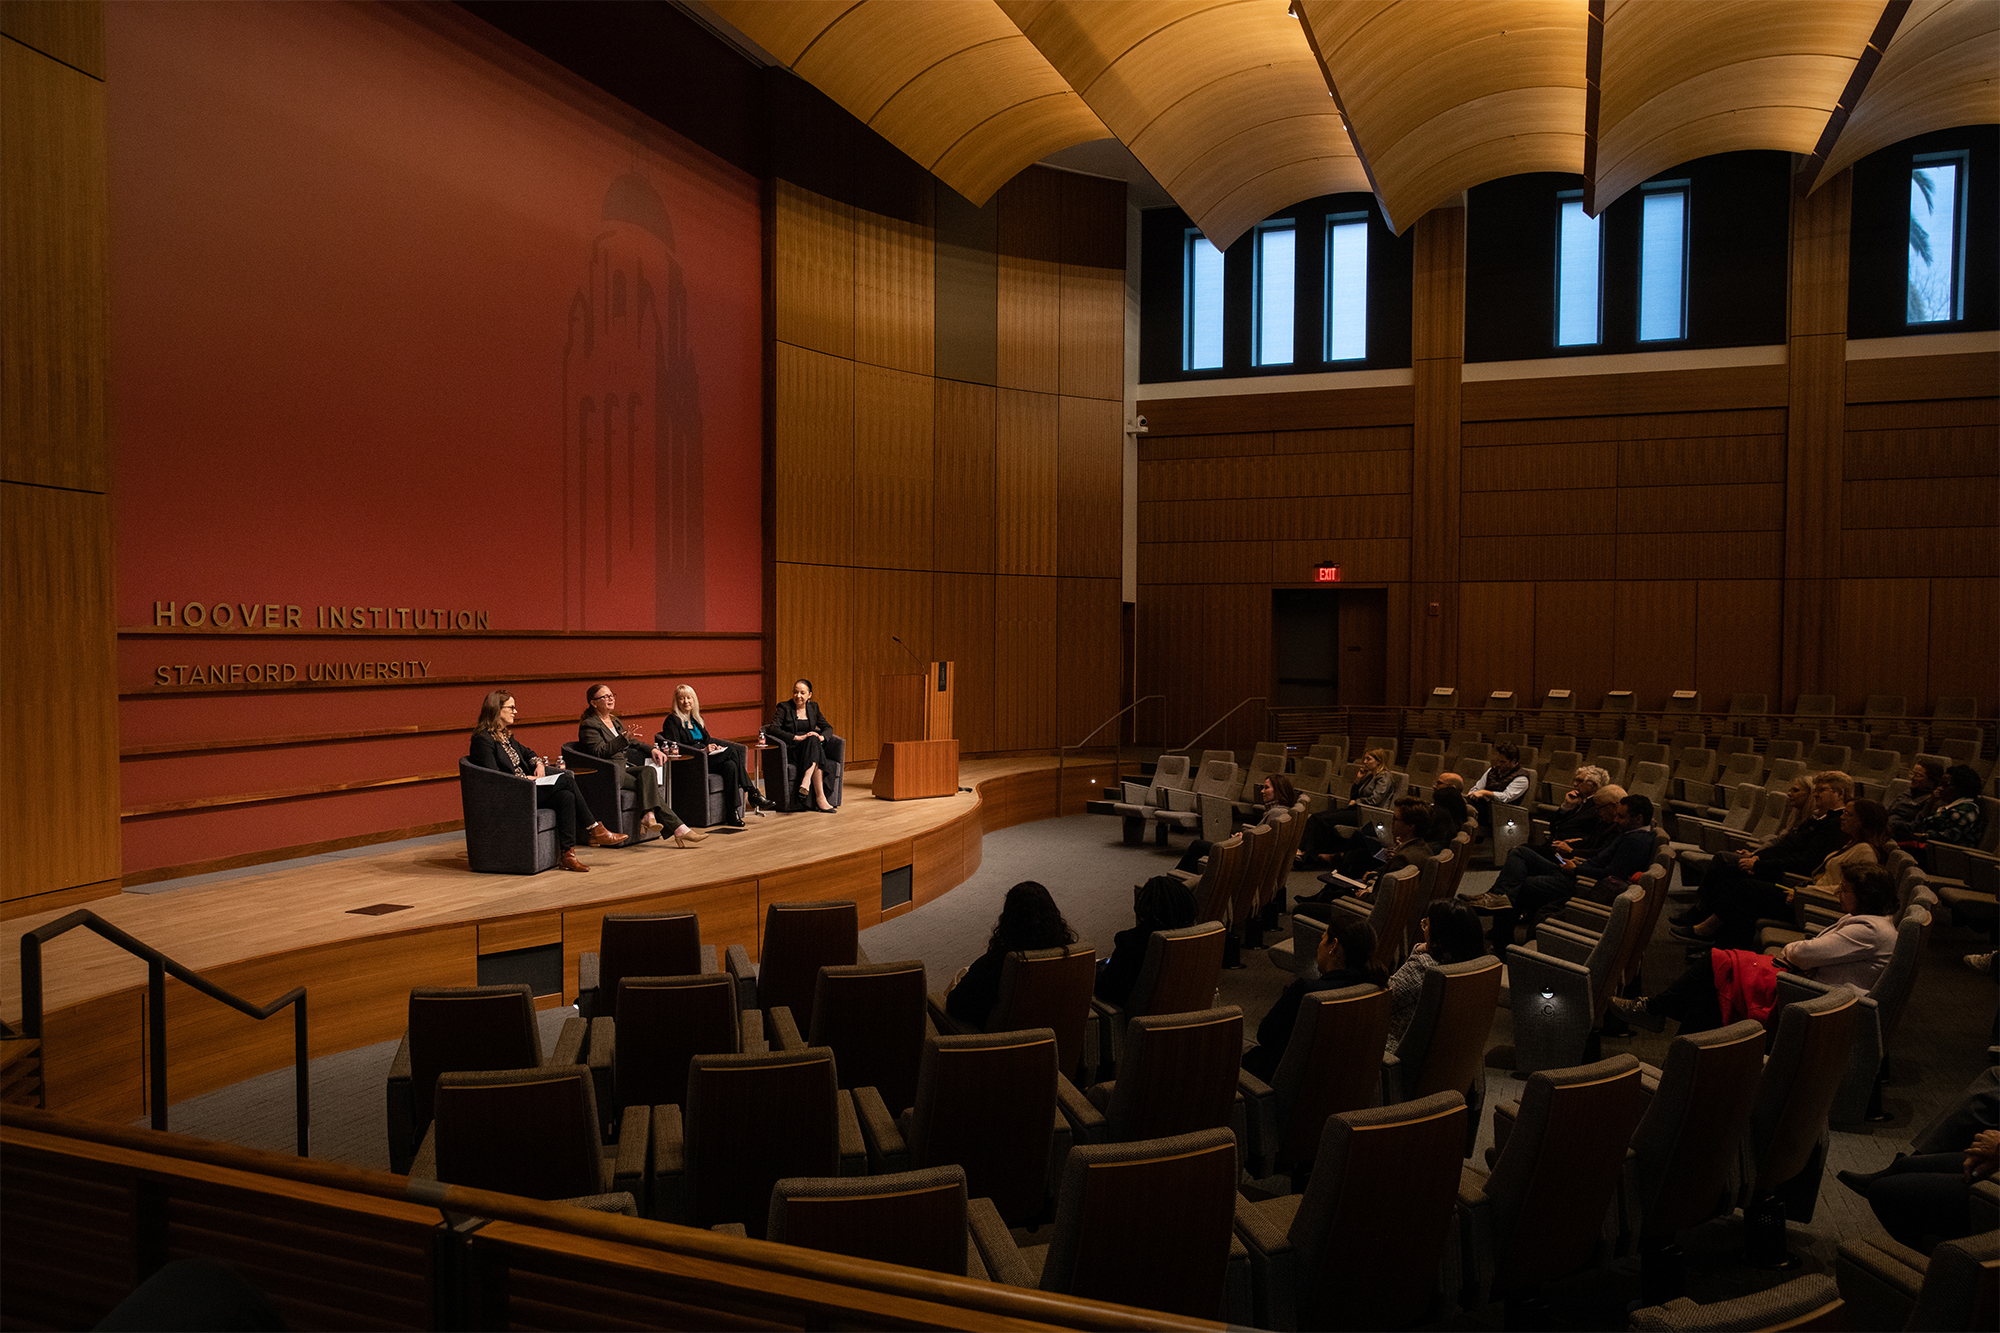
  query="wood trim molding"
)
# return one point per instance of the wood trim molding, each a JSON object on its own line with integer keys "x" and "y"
{"x": 413, "y": 682}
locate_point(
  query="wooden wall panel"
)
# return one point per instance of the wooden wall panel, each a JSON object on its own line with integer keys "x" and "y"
{"x": 1703, "y": 460}
{"x": 1588, "y": 423}
{"x": 1291, "y": 519}
{"x": 937, "y": 860}
{"x": 1935, "y": 451}
{"x": 1087, "y": 657}
{"x": 1362, "y": 560}
{"x": 1920, "y": 503}
{"x": 886, "y": 602}
{"x": 54, "y": 233}
{"x": 71, "y": 31}
{"x": 815, "y": 456}
{"x": 1335, "y": 476}
{"x": 1701, "y": 555}
{"x": 1965, "y": 639}
{"x": 1538, "y": 467}
{"x": 1030, "y": 281}
{"x": 1654, "y": 625}
{"x": 1027, "y": 619}
{"x": 1506, "y": 513}
{"x": 1739, "y": 508}
{"x": 1942, "y": 552}
{"x": 728, "y": 913}
{"x": 893, "y": 418}
{"x": 1523, "y": 558}
{"x": 1091, "y": 344}
{"x": 1212, "y": 562}
{"x": 1915, "y": 378}
{"x": 813, "y": 628}
{"x": 58, "y": 710}
{"x": 1496, "y": 639}
{"x": 1025, "y": 454}
{"x": 1573, "y": 647}
{"x": 1312, "y": 410}
{"x": 962, "y": 477}
{"x": 1155, "y": 447}
{"x": 1881, "y": 621}
{"x": 858, "y": 875}
{"x": 1720, "y": 389}
{"x": 895, "y": 288}
{"x": 1922, "y": 415}
{"x": 1090, "y": 486}
{"x": 1738, "y": 630}
{"x": 813, "y": 277}
{"x": 962, "y": 632}
{"x": 94, "y": 1057}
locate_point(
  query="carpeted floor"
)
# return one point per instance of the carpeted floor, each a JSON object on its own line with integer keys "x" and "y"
{"x": 1091, "y": 873}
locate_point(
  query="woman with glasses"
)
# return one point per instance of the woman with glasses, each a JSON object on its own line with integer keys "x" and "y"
{"x": 494, "y": 747}
{"x": 609, "y": 737}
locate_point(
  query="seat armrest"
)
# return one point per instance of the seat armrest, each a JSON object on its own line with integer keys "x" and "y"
{"x": 1087, "y": 1123}
{"x": 708, "y": 959}
{"x": 1260, "y": 1116}
{"x": 735, "y": 1229}
{"x": 1571, "y": 946}
{"x": 402, "y": 1109}
{"x": 995, "y": 1245}
{"x": 1181, "y": 802}
{"x": 569, "y": 1044}
{"x": 586, "y": 973}
{"x": 1137, "y": 793}
{"x": 628, "y": 1171}
{"x": 861, "y": 958}
{"x": 736, "y": 961}
{"x": 1505, "y": 1114}
{"x": 785, "y": 1029}
{"x": 601, "y": 1055}
{"x": 853, "y": 1148}
{"x": 669, "y": 1166}
{"x": 751, "y": 1034}
{"x": 888, "y": 1153}
{"x": 1581, "y": 912}
{"x": 941, "y": 1017}
{"x": 425, "y": 1165}
{"x": 620, "y": 1202}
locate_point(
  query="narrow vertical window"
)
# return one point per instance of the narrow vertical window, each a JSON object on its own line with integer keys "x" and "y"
{"x": 1937, "y": 200}
{"x": 1277, "y": 256}
{"x": 1347, "y": 287}
{"x": 1201, "y": 304}
{"x": 1663, "y": 236}
{"x": 1579, "y": 275}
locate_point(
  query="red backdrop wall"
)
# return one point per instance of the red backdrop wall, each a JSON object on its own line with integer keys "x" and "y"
{"x": 408, "y": 320}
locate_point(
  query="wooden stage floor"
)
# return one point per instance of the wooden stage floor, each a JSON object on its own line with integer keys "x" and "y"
{"x": 261, "y": 935}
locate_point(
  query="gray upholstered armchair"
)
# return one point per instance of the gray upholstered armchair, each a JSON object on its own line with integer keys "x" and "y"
{"x": 597, "y": 779}
{"x": 506, "y": 833}
{"x": 781, "y": 779}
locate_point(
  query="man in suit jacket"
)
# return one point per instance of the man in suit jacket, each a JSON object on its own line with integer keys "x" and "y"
{"x": 1406, "y": 848}
{"x": 1626, "y": 855}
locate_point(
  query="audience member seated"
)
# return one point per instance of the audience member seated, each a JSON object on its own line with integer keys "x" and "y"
{"x": 1619, "y": 860}
{"x": 1729, "y": 913}
{"x": 1367, "y": 860}
{"x": 1161, "y": 903}
{"x": 1029, "y": 919}
{"x": 1927, "y": 791}
{"x": 1451, "y": 935}
{"x": 1920, "y": 1198}
{"x": 1798, "y": 852}
{"x": 800, "y": 727}
{"x": 1448, "y": 810}
{"x": 1723, "y": 986}
{"x": 1504, "y": 781}
{"x": 605, "y": 734}
{"x": 494, "y": 746}
{"x": 1327, "y": 831}
{"x": 1345, "y": 958}
{"x": 1524, "y": 862}
{"x": 685, "y": 728}
{"x": 1957, "y": 819}
{"x": 1578, "y": 815}
{"x": 1277, "y": 794}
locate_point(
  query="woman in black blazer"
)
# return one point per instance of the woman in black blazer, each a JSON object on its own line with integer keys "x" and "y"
{"x": 494, "y": 746}
{"x": 685, "y": 728}
{"x": 801, "y": 728}
{"x": 602, "y": 732}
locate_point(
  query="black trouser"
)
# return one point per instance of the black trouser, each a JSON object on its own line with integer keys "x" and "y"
{"x": 735, "y": 776}
{"x": 642, "y": 779}
{"x": 804, "y": 752}
{"x": 1740, "y": 900}
{"x": 1328, "y": 830}
{"x": 1922, "y": 1199}
{"x": 1691, "y": 999}
{"x": 573, "y": 817}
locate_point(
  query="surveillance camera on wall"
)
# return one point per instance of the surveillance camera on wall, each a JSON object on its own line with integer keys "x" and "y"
{"x": 1138, "y": 425}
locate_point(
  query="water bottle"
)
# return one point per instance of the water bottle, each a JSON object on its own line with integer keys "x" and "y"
{"x": 673, "y": 749}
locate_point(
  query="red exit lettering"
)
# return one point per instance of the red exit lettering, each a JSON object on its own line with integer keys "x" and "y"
{"x": 1327, "y": 574}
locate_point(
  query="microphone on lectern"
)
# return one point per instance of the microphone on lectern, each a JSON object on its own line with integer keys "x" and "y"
{"x": 906, "y": 648}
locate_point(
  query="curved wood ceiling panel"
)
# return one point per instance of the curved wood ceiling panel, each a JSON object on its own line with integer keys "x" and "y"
{"x": 1219, "y": 99}
{"x": 953, "y": 84}
{"x": 1427, "y": 88}
{"x": 1682, "y": 79}
{"x": 1942, "y": 69}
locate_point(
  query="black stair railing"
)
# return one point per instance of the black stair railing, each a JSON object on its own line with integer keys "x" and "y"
{"x": 158, "y": 968}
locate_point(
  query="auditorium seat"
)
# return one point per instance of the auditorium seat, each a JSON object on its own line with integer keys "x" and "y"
{"x": 913, "y": 1218}
{"x": 640, "y": 1057}
{"x": 871, "y": 1016}
{"x": 642, "y": 944}
{"x": 1178, "y": 976}
{"x": 1889, "y": 1285}
{"x": 799, "y": 939}
{"x": 1399, "y": 897}
{"x": 1044, "y": 988}
{"x": 1809, "y": 1302}
{"x": 1859, "y": 1096}
{"x": 506, "y": 833}
{"x": 1205, "y": 807}
{"x": 1177, "y": 1076}
{"x": 1443, "y": 1048}
{"x": 1334, "y": 1257}
{"x": 986, "y": 1102}
{"x": 1559, "y": 1155}
{"x": 750, "y": 1121}
{"x": 532, "y": 1132}
{"x": 1330, "y": 1064}
{"x": 1115, "y": 1241}
{"x": 1564, "y": 985}
{"x": 463, "y": 1027}
{"x": 1788, "y": 1121}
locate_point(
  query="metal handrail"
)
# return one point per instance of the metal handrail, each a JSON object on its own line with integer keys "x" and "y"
{"x": 1189, "y": 747}
{"x": 1062, "y": 751}
{"x": 158, "y": 967}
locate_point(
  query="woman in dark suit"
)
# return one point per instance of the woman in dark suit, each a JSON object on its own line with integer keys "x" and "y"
{"x": 494, "y": 746}
{"x": 801, "y": 728}
{"x": 685, "y": 728}
{"x": 602, "y": 732}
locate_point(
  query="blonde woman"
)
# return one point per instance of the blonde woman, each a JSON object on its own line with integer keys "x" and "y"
{"x": 1327, "y": 832}
{"x": 494, "y": 747}
{"x": 610, "y": 737}
{"x": 685, "y": 728}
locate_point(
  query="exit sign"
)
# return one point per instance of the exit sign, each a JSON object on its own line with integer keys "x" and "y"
{"x": 1326, "y": 574}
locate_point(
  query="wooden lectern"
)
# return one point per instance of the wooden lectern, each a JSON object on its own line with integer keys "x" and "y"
{"x": 919, "y": 754}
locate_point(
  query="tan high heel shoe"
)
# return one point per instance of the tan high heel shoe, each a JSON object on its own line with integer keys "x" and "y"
{"x": 688, "y": 839}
